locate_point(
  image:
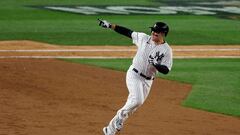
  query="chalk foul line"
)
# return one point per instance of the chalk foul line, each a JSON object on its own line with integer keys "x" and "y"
{"x": 104, "y": 57}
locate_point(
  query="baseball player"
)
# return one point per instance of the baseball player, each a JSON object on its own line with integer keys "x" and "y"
{"x": 153, "y": 55}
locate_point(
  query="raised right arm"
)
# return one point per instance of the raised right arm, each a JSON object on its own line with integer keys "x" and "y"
{"x": 122, "y": 30}
{"x": 119, "y": 29}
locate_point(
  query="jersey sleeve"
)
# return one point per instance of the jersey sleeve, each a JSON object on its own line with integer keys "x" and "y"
{"x": 168, "y": 59}
{"x": 137, "y": 38}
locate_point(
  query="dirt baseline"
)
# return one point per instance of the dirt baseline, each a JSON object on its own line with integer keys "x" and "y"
{"x": 30, "y": 49}
{"x": 53, "y": 97}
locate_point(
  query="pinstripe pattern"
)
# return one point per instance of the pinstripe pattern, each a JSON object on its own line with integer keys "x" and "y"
{"x": 147, "y": 47}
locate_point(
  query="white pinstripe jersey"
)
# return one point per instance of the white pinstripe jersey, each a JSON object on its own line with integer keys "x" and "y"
{"x": 147, "y": 48}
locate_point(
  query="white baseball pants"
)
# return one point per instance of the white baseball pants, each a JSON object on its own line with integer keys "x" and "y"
{"x": 139, "y": 89}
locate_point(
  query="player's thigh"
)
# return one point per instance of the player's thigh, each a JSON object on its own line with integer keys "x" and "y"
{"x": 137, "y": 91}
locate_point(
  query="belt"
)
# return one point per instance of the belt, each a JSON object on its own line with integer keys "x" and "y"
{"x": 142, "y": 75}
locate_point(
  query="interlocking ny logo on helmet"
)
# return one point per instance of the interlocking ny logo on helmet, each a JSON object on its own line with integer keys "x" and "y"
{"x": 160, "y": 27}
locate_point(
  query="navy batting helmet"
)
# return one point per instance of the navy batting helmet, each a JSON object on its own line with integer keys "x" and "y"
{"x": 160, "y": 27}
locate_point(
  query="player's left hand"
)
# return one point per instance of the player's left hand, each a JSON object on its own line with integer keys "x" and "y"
{"x": 104, "y": 23}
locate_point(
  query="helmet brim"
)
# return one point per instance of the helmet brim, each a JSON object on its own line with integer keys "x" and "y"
{"x": 155, "y": 30}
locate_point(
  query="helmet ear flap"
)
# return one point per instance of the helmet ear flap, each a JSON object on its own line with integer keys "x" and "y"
{"x": 166, "y": 33}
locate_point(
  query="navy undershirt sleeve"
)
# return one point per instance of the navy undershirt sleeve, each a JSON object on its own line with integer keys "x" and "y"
{"x": 124, "y": 31}
{"x": 162, "y": 68}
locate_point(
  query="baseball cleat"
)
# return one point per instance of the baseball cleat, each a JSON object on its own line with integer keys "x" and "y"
{"x": 105, "y": 131}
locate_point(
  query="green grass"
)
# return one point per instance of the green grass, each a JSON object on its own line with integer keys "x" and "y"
{"x": 19, "y": 22}
{"x": 216, "y": 82}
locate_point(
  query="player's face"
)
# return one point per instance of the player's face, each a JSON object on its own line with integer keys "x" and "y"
{"x": 156, "y": 37}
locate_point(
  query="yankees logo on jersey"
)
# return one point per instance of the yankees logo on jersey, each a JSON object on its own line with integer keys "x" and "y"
{"x": 157, "y": 56}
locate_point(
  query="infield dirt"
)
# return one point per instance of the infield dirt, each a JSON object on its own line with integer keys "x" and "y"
{"x": 53, "y": 97}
